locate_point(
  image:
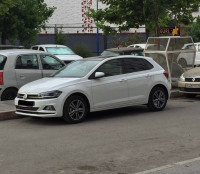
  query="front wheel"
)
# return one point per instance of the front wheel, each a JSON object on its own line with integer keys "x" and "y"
{"x": 157, "y": 99}
{"x": 75, "y": 109}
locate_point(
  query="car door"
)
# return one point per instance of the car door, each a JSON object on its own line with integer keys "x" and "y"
{"x": 27, "y": 69}
{"x": 50, "y": 65}
{"x": 138, "y": 77}
{"x": 111, "y": 90}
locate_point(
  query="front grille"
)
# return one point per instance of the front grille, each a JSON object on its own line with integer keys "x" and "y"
{"x": 192, "y": 79}
{"x": 27, "y": 108}
{"x": 190, "y": 89}
{"x": 29, "y": 96}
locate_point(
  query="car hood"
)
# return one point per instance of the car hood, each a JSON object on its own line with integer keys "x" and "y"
{"x": 47, "y": 84}
{"x": 69, "y": 57}
{"x": 192, "y": 72}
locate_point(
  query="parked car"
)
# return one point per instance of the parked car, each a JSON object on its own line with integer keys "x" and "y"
{"x": 20, "y": 66}
{"x": 186, "y": 58}
{"x": 137, "y": 46}
{"x": 63, "y": 52}
{"x": 189, "y": 82}
{"x": 123, "y": 51}
{"x": 95, "y": 84}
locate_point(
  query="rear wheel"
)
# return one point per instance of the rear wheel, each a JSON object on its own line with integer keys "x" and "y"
{"x": 9, "y": 94}
{"x": 157, "y": 99}
{"x": 182, "y": 62}
{"x": 75, "y": 109}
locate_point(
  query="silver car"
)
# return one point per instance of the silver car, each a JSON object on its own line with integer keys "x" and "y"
{"x": 21, "y": 66}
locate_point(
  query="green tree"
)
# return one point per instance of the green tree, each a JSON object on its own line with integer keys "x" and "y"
{"x": 5, "y": 5}
{"x": 24, "y": 20}
{"x": 195, "y": 31}
{"x": 152, "y": 13}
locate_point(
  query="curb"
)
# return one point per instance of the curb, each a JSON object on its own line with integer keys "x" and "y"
{"x": 8, "y": 115}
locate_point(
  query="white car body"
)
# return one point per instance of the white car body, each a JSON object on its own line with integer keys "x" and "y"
{"x": 138, "y": 46}
{"x": 101, "y": 94}
{"x": 67, "y": 58}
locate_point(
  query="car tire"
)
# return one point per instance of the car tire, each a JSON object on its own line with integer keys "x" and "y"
{"x": 75, "y": 109}
{"x": 9, "y": 94}
{"x": 182, "y": 62}
{"x": 157, "y": 99}
{"x": 190, "y": 95}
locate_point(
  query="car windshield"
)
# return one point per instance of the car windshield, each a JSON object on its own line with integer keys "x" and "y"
{"x": 77, "y": 69}
{"x": 110, "y": 53}
{"x": 60, "y": 50}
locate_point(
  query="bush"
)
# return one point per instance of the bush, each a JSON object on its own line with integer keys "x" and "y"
{"x": 61, "y": 38}
{"x": 83, "y": 51}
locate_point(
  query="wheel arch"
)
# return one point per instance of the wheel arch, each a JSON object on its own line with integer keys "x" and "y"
{"x": 162, "y": 86}
{"x": 81, "y": 95}
{"x": 8, "y": 88}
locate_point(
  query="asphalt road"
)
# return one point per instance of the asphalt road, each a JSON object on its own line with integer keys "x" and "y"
{"x": 122, "y": 141}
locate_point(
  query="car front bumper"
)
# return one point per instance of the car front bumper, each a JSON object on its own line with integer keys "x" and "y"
{"x": 189, "y": 87}
{"x": 38, "y": 108}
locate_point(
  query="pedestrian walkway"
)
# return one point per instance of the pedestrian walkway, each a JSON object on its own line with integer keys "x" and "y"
{"x": 7, "y": 110}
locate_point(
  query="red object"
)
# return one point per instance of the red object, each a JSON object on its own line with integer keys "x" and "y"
{"x": 166, "y": 74}
{"x": 1, "y": 78}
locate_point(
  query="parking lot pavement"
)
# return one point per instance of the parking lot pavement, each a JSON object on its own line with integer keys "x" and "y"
{"x": 191, "y": 166}
{"x": 7, "y": 110}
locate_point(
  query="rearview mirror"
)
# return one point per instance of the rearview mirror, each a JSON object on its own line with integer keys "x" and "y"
{"x": 99, "y": 75}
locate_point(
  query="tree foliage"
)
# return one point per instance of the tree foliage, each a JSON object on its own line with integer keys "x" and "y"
{"x": 5, "y": 5}
{"x": 195, "y": 31}
{"x": 61, "y": 38}
{"x": 24, "y": 20}
{"x": 152, "y": 13}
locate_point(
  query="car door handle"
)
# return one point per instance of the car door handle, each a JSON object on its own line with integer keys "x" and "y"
{"x": 22, "y": 77}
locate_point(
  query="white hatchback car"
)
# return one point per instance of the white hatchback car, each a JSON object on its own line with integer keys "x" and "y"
{"x": 95, "y": 84}
{"x": 63, "y": 52}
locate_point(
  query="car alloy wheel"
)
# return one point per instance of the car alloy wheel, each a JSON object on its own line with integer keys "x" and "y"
{"x": 157, "y": 99}
{"x": 75, "y": 109}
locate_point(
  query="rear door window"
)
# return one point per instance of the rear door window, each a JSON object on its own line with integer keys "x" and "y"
{"x": 27, "y": 62}
{"x": 136, "y": 64}
{"x": 2, "y": 62}
{"x": 34, "y": 48}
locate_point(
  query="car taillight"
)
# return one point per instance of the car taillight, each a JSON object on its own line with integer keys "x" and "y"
{"x": 1, "y": 78}
{"x": 166, "y": 74}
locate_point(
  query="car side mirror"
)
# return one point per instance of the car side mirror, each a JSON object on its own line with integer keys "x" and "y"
{"x": 99, "y": 75}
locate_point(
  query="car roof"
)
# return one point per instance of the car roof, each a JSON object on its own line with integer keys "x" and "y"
{"x": 49, "y": 45}
{"x": 124, "y": 49}
{"x": 101, "y": 58}
{"x": 19, "y": 51}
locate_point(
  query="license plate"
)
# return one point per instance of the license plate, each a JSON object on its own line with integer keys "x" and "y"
{"x": 25, "y": 103}
{"x": 192, "y": 86}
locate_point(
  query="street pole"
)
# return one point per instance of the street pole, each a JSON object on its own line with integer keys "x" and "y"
{"x": 97, "y": 34}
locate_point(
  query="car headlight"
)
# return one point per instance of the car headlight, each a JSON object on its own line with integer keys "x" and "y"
{"x": 182, "y": 78}
{"x": 50, "y": 94}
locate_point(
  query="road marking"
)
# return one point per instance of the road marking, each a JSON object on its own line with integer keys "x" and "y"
{"x": 169, "y": 166}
